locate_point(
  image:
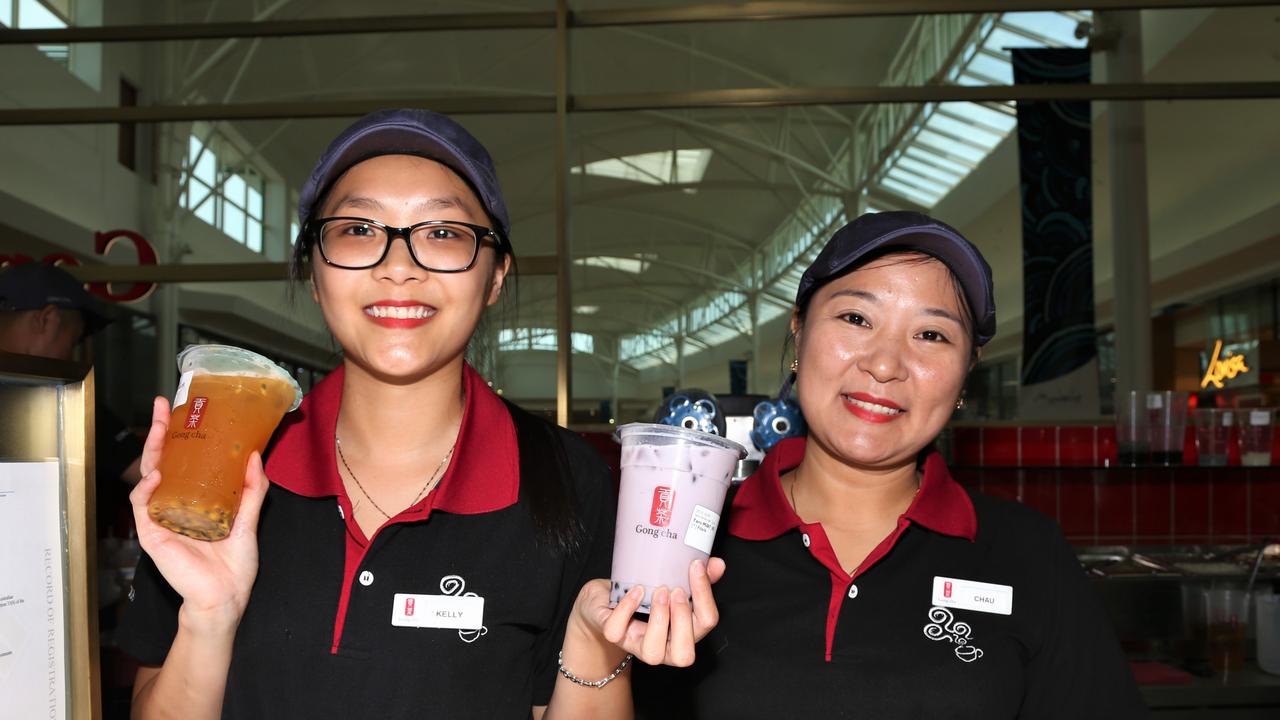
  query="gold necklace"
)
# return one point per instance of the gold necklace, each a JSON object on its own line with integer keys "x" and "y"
{"x": 426, "y": 488}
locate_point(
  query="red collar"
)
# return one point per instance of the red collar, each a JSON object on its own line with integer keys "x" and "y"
{"x": 484, "y": 475}
{"x": 761, "y": 511}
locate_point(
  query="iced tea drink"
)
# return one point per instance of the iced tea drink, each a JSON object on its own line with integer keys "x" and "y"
{"x": 228, "y": 404}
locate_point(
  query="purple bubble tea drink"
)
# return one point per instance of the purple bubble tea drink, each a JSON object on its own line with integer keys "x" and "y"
{"x": 669, "y": 504}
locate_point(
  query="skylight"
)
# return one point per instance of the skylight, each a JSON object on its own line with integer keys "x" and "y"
{"x": 665, "y": 167}
{"x": 953, "y": 138}
{"x": 634, "y": 265}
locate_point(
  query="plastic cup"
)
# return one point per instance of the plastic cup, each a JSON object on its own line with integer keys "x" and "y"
{"x": 1256, "y": 428}
{"x": 1133, "y": 435}
{"x": 1167, "y": 411}
{"x": 669, "y": 502}
{"x": 1268, "y": 630}
{"x": 1213, "y": 435}
{"x": 1226, "y": 627}
{"x": 228, "y": 404}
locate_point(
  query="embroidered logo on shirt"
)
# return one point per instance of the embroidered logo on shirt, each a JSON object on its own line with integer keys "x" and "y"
{"x": 454, "y": 585}
{"x": 943, "y": 626}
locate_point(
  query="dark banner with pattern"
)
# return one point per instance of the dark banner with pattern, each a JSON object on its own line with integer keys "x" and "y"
{"x": 1059, "y": 351}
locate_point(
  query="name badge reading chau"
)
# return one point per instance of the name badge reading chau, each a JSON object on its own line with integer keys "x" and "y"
{"x": 450, "y": 612}
{"x": 972, "y": 595}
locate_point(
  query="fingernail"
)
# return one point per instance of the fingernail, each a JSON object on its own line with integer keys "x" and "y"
{"x": 678, "y": 596}
{"x": 636, "y": 591}
{"x": 700, "y": 567}
{"x": 661, "y": 597}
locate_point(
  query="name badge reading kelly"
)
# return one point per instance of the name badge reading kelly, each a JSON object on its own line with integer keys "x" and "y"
{"x": 450, "y": 612}
{"x": 973, "y": 595}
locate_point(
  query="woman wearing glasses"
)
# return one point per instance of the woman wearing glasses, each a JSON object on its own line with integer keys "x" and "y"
{"x": 421, "y": 548}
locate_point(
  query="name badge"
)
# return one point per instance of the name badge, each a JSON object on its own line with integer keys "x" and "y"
{"x": 451, "y": 612}
{"x": 972, "y": 595}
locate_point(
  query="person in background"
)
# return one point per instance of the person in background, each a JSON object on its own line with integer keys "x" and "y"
{"x": 862, "y": 580}
{"x": 46, "y": 312}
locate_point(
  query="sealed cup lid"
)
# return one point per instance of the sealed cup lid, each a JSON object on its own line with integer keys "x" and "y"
{"x": 231, "y": 360}
{"x": 658, "y": 434}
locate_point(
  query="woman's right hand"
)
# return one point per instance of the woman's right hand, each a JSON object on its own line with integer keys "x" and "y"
{"x": 213, "y": 578}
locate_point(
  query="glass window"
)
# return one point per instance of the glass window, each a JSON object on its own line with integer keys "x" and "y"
{"x": 234, "y": 203}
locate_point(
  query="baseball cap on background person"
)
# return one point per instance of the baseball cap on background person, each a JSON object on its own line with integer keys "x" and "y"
{"x": 32, "y": 286}
{"x": 408, "y": 131}
{"x": 877, "y": 233}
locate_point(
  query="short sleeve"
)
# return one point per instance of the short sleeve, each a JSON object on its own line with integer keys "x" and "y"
{"x": 150, "y": 620}
{"x": 1079, "y": 671}
{"x": 597, "y": 508}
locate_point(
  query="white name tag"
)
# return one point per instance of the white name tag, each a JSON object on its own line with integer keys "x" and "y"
{"x": 972, "y": 595}
{"x": 451, "y": 612}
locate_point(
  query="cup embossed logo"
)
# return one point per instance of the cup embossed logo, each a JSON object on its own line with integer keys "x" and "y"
{"x": 664, "y": 500}
{"x": 196, "y": 414}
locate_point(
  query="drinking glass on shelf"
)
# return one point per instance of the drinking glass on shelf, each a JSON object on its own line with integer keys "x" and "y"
{"x": 1256, "y": 428}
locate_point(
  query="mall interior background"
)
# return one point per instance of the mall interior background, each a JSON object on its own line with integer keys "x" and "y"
{"x": 688, "y": 227}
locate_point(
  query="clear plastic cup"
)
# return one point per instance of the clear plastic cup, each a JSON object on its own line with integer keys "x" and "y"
{"x": 1167, "y": 411}
{"x": 1256, "y": 428}
{"x": 669, "y": 503}
{"x": 1267, "y": 619}
{"x": 1133, "y": 434}
{"x": 1213, "y": 435}
{"x": 229, "y": 402}
{"x": 1226, "y": 627}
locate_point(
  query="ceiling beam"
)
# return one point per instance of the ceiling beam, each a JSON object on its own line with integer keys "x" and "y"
{"x": 731, "y": 98}
{"x": 620, "y": 17}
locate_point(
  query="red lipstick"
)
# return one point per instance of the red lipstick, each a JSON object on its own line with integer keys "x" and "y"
{"x": 852, "y": 400}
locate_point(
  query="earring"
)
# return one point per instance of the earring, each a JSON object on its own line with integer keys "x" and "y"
{"x": 795, "y": 364}
{"x": 960, "y": 403}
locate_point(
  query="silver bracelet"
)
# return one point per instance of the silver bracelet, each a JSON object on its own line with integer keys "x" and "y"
{"x": 586, "y": 683}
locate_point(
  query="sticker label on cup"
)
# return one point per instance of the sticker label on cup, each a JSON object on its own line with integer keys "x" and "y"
{"x": 701, "y": 532}
{"x": 1155, "y": 401}
{"x": 1259, "y": 417}
{"x": 184, "y": 384}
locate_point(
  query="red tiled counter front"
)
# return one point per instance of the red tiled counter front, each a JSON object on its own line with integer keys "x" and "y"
{"x": 1143, "y": 506}
{"x": 1069, "y": 473}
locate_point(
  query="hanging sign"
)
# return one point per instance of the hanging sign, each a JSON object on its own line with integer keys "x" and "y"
{"x": 1228, "y": 365}
{"x": 103, "y": 243}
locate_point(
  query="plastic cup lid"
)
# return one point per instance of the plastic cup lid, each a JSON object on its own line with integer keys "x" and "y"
{"x": 232, "y": 360}
{"x": 679, "y": 435}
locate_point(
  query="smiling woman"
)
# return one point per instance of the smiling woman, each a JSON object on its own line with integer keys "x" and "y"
{"x": 862, "y": 579}
{"x": 421, "y": 544}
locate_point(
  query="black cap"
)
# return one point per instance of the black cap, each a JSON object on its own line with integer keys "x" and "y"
{"x": 912, "y": 231}
{"x": 31, "y": 286}
{"x": 408, "y": 131}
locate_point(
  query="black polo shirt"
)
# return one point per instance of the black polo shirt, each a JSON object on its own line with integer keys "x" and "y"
{"x": 973, "y": 607}
{"x": 318, "y": 640}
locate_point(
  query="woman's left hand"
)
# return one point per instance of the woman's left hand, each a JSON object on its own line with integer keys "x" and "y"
{"x": 674, "y": 626}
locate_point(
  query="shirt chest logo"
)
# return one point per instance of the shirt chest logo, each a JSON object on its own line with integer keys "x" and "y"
{"x": 954, "y": 593}
{"x": 454, "y": 609}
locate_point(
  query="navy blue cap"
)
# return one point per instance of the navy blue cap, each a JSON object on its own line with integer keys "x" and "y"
{"x": 909, "y": 231}
{"x": 408, "y": 131}
{"x": 32, "y": 286}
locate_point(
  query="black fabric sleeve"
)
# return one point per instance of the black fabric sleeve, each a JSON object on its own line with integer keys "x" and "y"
{"x": 597, "y": 508}
{"x": 1079, "y": 671}
{"x": 150, "y": 620}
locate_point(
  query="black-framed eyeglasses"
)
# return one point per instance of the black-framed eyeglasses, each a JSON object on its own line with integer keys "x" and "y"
{"x": 355, "y": 243}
